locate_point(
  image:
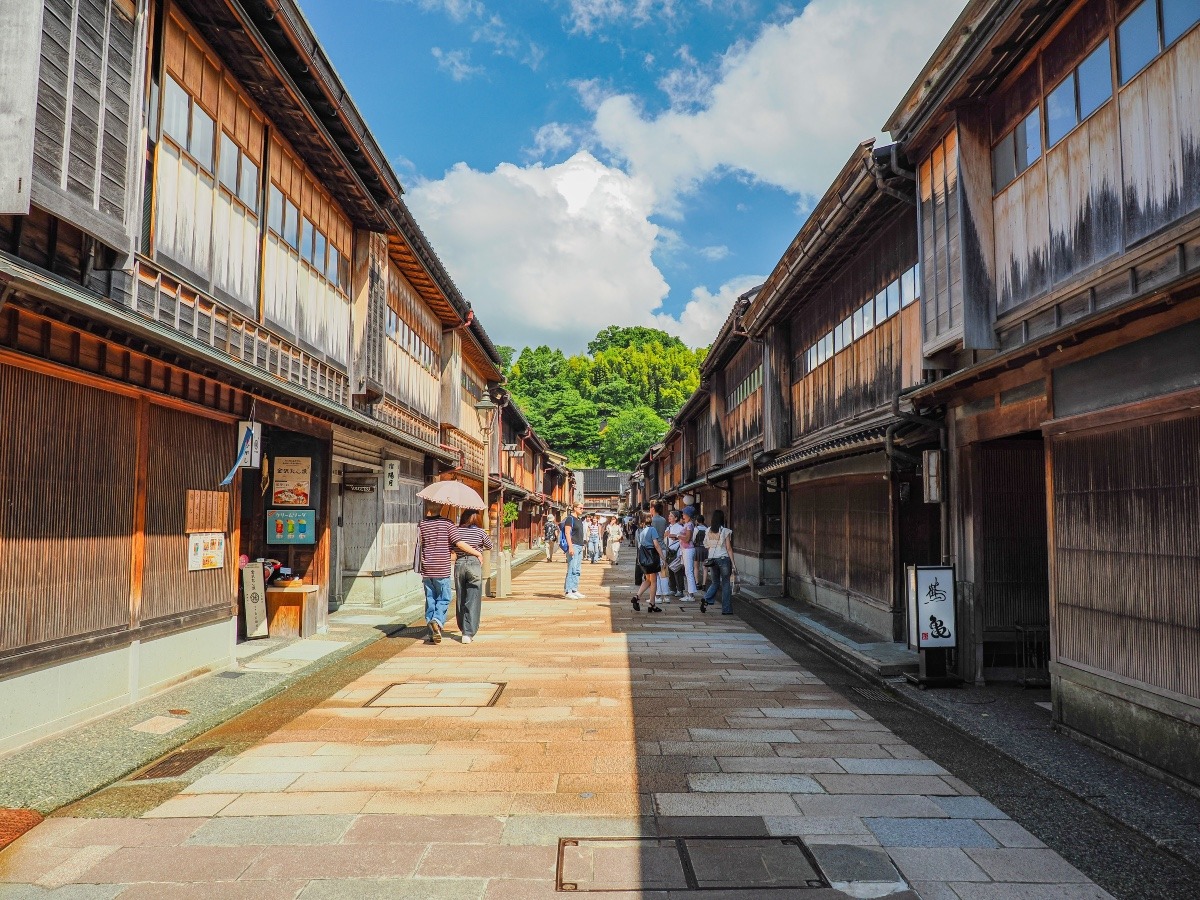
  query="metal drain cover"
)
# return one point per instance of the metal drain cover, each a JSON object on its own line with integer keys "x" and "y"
{"x": 434, "y": 694}
{"x": 686, "y": 864}
{"x": 176, "y": 764}
{"x": 872, "y": 694}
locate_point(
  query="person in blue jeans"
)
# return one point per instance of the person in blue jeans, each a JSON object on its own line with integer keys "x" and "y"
{"x": 573, "y": 527}
{"x": 719, "y": 544}
{"x": 436, "y": 534}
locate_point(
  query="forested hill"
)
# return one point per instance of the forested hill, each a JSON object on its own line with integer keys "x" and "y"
{"x": 604, "y": 408}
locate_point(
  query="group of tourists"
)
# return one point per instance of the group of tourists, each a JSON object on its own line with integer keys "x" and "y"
{"x": 675, "y": 552}
{"x": 679, "y": 556}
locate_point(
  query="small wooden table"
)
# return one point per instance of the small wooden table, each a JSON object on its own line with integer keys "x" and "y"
{"x": 292, "y": 610}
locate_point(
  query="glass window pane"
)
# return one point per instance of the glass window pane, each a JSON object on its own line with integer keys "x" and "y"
{"x": 837, "y": 339}
{"x": 1095, "y": 79}
{"x": 227, "y": 168}
{"x": 275, "y": 209}
{"x": 910, "y": 288}
{"x": 1004, "y": 163}
{"x": 306, "y": 241}
{"x": 1178, "y": 17}
{"x": 868, "y": 316}
{"x": 318, "y": 259}
{"x": 248, "y": 183}
{"x": 1137, "y": 40}
{"x": 881, "y": 312}
{"x": 291, "y": 224}
{"x": 175, "y": 112}
{"x": 201, "y": 144}
{"x": 893, "y": 298}
{"x": 1060, "y": 111}
{"x": 1029, "y": 140}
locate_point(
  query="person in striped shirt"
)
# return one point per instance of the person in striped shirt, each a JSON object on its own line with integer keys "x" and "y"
{"x": 469, "y": 543}
{"x": 436, "y": 536}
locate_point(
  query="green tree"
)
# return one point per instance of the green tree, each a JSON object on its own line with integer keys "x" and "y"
{"x": 617, "y": 336}
{"x": 506, "y": 358}
{"x": 628, "y": 435}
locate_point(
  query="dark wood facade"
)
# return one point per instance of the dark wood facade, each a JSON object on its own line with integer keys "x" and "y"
{"x": 1072, "y": 458}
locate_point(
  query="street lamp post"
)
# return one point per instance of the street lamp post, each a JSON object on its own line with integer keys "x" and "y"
{"x": 486, "y": 411}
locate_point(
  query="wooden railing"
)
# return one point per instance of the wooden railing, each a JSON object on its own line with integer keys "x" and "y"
{"x": 173, "y": 305}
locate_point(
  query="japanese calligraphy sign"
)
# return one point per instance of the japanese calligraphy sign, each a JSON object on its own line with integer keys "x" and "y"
{"x": 932, "y": 621}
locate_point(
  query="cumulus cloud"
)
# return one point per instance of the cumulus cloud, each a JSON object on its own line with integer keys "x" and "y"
{"x": 456, "y": 63}
{"x": 788, "y": 107}
{"x": 553, "y": 139}
{"x": 547, "y": 254}
{"x": 706, "y": 311}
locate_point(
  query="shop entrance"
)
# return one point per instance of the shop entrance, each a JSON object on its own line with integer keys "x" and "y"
{"x": 1012, "y": 588}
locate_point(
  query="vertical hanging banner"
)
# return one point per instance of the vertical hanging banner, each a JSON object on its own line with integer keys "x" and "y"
{"x": 244, "y": 449}
{"x": 935, "y": 618}
{"x": 253, "y": 458}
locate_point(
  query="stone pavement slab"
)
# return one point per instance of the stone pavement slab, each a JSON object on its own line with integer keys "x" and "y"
{"x": 620, "y": 740}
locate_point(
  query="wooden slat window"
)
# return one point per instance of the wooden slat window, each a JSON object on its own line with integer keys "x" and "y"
{"x": 306, "y": 279}
{"x": 412, "y": 355}
{"x": 209, "y": 158}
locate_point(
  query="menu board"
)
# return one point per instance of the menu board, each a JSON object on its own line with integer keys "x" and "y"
{"x": 291, "y": 526}
{"x": 206, "y": 551}
{"x": 292, "y": 484}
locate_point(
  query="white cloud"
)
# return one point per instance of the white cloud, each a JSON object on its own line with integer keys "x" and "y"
{"x": 456, "y": 63}
{"x": 706, "y": 311}
{"x": 589, "y": 16}
{"x": 687, "y": 85}
{"x": 486, "y": 28}
{"x": 714, "y": 254}
{"x": 553, "y": 139}
{"x": 789, "y": 106}
{"x": 546, "y": 254}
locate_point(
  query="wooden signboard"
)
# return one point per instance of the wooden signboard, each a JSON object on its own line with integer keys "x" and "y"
{"x": 254, "y": 600}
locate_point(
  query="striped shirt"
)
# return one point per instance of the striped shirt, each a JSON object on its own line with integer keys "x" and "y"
{"x": 436, "y": 542}
{"x": 472, "y": 536}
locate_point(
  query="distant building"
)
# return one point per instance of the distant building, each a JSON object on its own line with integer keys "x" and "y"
{"x": 603, "y": 488}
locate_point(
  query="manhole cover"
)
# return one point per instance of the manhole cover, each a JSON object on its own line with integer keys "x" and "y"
{"x": 872, "y": 694}
{"x": 685, "y": 864}
{"x": 274, "y": 665}
{"x": 434, "y": 694}
{"x": 176, "y": 764}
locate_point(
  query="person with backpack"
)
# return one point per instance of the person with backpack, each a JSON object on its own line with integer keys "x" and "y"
{"x": 649, "y": 560}
{"x": 719, "y": 543}
{"x": 573, "y": 529}
{"x": 701, "y": 553}
{"x": 551, "y": 535}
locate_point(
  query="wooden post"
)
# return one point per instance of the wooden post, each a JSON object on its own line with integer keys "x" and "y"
{"x": 141, "y": 490}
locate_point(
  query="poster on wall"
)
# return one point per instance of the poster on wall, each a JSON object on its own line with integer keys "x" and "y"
{"x": 206, "y": 551}
{"x": 291, "y": 526}
{"x": 292, "y": 485}
{"x": 932, "y": 606}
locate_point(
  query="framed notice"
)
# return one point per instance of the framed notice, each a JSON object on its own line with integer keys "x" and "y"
{"x": 291, "y": 526}
{"x": 206, "y": 551}
{"x": 932, "y": 619}
{"x": 292, "y": 484}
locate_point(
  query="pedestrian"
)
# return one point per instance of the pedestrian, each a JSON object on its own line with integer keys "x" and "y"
{"x": 551, "y": 535}
{"x": 593, "y": 540}
{"x": 604, "y": 536}
{"x": 687, "y": 549}
{"x": 469, "y": 543}
{"x": 719, "y": 543}
{"x": 649, "y": 558}
{"x": 701, "y": 552}
{"x": 659, "y": 523}
{"x": 675, "y": 579}
{"x": 573, "y": 529}
{"x": 434, "y": 534}
{"x": 616, "y": 534}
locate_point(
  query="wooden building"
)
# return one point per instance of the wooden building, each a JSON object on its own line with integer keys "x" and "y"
{"x": 838, "y": 324}
{"x": 197, "y": 231}
{"x": 604, "y": 489}
{"x": 1058, "y": 171}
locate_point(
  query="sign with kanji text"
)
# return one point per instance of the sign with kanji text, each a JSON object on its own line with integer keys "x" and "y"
{"x": 291, "y": 526}
{"x": 932, "y": 621}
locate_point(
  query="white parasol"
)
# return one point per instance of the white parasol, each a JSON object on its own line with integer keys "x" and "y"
{"x": 452, "y": 493}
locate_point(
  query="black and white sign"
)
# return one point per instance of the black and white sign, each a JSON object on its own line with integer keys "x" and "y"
{"x": 932, "y": 622}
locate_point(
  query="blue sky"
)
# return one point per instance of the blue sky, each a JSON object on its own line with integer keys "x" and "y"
{"x": 579, "y": 163}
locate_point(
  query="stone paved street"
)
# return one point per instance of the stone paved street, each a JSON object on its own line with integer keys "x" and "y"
{"x": 679, "y": 755}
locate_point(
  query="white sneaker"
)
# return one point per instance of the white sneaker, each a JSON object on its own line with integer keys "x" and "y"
{"x": 576, "y": 596}
{"x": 466, "y": 639}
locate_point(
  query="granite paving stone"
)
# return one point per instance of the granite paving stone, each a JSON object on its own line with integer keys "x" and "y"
{"x": 621, "y": 731}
